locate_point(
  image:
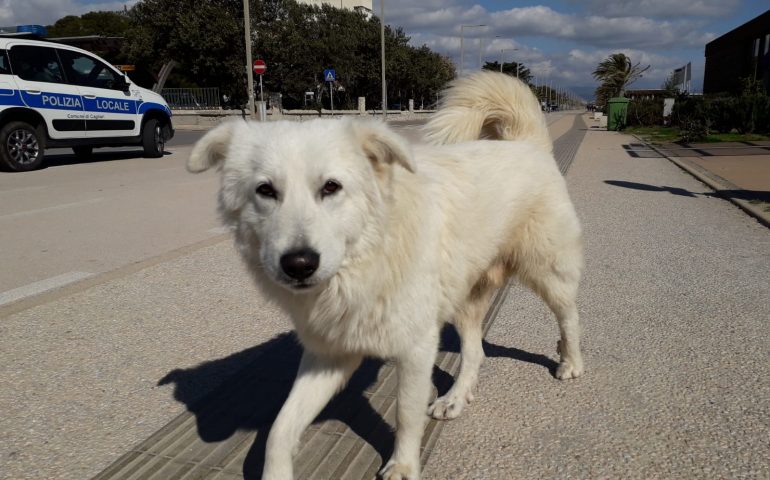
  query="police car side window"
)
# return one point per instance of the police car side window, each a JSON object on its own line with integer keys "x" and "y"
{"x": 87, "y": 71}
{"x": 5, "y": 67}
{"x": 36, "y": 64}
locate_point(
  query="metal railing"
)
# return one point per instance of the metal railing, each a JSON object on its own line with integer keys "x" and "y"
{"x": 192, "y": 98}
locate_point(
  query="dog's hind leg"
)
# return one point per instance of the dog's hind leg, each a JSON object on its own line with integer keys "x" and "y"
{"x": 468, "y": 323}
{"x": 558, "y": 288}
{"x": 318, "y": 379}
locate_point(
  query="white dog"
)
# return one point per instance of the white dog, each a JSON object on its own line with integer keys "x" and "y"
{"x": 371, "y": 244}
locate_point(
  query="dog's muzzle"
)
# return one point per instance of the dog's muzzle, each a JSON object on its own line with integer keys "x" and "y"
{"x": 300, "y": 264}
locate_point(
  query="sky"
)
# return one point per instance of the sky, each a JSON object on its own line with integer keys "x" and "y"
{"x": 560, "y": 41}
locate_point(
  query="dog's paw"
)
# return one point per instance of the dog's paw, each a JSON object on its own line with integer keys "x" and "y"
{"x": 568, "y": 369}
{"x": 449, "y": 406}
{"x": 399, "y": 471}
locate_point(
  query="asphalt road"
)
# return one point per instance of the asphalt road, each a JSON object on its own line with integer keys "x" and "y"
{"x": 75, "y": 219}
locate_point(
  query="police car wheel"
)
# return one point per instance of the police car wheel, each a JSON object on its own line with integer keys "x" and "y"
{"x": 21, "y": 147}
{"x": 153, "y": 140}
{"x": 83, "y": 153}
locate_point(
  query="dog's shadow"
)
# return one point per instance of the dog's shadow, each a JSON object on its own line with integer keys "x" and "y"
{"x": 258, "y": 381}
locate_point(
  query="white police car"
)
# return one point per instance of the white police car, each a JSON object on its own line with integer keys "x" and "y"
{"x": 55, "y": 95}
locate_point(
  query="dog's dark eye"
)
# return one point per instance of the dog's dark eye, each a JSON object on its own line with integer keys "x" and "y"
{"x": 266, "y": 190}
{"x": 330, "y": 188}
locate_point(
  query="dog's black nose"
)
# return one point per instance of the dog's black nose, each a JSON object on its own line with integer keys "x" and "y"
{"x": 300, "y": 264}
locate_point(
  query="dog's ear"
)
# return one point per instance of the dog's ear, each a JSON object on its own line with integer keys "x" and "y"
{"x": 382, "y": 145}
{"x": 211, "y": 149}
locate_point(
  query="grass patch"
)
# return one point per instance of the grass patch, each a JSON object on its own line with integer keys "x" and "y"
{"x": 735, "y": 137}
{"x": 657, "y": 135}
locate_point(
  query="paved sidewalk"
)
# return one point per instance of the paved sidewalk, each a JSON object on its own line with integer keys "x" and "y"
{"x": 737, "y": 171}
{"x": 674, "y": 308}
{"x": 673, "y": 305}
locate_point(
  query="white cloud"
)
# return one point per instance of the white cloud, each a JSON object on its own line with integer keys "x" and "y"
{"x": 660, "y": 8}
{"x": 572, "y": 44}
{"x": 46, "y": 12}
{"x": 543, "y": 21}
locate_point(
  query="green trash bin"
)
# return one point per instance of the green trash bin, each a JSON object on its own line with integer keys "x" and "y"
{"x": 617, "y": 109}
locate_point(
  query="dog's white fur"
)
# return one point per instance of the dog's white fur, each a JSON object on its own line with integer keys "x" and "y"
{"x": 416, "y": 236}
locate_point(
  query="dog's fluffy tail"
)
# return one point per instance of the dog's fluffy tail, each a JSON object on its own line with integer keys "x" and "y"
{"x": 488, "y": 105}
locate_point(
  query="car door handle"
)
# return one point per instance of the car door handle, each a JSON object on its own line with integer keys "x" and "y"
{"x": 33, "y": 92}
{"x": 90, "y": 97}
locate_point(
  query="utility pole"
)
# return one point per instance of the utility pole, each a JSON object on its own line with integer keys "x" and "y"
{"x": 249, "y": 72}
{"x": 462, "y": 50}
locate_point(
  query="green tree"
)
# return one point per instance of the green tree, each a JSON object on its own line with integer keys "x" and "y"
{"x": 510, "y": 68}
{"x": 205, "y": 37}
{"x": 616, "y": 73}
{"x": 297, "y": 41}
{"x": 105, "y": 24}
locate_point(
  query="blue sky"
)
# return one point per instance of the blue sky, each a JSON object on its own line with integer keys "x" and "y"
{"x": 561, "y": 41}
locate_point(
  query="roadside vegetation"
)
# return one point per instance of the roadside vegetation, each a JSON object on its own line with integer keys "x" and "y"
{"x": 297, "y": 41}
{"x": 705, "y": 118}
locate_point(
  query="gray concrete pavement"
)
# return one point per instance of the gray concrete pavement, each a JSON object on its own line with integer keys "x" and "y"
{"x": 673, "y": 304}
{"x": 93, "y": 217}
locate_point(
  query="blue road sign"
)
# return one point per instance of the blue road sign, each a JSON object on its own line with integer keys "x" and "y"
{"x": 330, "y": 75}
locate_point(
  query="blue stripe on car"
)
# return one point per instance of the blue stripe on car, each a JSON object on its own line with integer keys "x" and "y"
{"x": 63, "y": 101}
{"x": 10, "y": 98}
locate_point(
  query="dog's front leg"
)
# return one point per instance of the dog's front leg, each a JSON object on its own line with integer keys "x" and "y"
{"x": 318, "y": 379}
{"x": 414, "y": 387}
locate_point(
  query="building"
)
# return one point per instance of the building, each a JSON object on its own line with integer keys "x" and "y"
{"x": 365, "y": 5}
{"x": 741, "y": 53}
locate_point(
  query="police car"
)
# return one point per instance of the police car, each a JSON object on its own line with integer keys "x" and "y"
{"x": 54, "y": 95}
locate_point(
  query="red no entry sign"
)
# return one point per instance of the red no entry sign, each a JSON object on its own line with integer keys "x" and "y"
{"x": 260, "y": 67}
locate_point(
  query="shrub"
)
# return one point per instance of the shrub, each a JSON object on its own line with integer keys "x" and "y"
{"x": 748, "y": 112}
{"x": 645, "y": 112}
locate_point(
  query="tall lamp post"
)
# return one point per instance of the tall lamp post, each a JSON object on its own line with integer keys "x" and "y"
{"x": 462, "y": 51}
{"x": 382, "y": 48}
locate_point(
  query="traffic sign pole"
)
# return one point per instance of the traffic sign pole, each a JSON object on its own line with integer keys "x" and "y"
{"x": 330, "y": 76}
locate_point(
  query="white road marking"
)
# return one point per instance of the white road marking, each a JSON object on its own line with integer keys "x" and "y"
{"x": 41, "y": 286}
{"x": 220, "y": 230}
{"x": 50, "y": 209}
{"x": 21, "y": 189}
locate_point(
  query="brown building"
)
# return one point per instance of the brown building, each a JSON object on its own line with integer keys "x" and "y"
{"x": 741, "y": 53}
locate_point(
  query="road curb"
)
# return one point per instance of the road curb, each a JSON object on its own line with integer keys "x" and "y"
{"x": 717, "y": 183}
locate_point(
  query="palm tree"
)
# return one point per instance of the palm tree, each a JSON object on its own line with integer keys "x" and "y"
{"x": 616, "y": 73}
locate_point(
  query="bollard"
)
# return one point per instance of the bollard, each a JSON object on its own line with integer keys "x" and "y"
{"x": 362, "y": 105}
{"x": 411, "y": 105}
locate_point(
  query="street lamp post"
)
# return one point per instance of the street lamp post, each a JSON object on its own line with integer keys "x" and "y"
{"x": 462, "y": 51}
{"x": 382, "y": 48}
